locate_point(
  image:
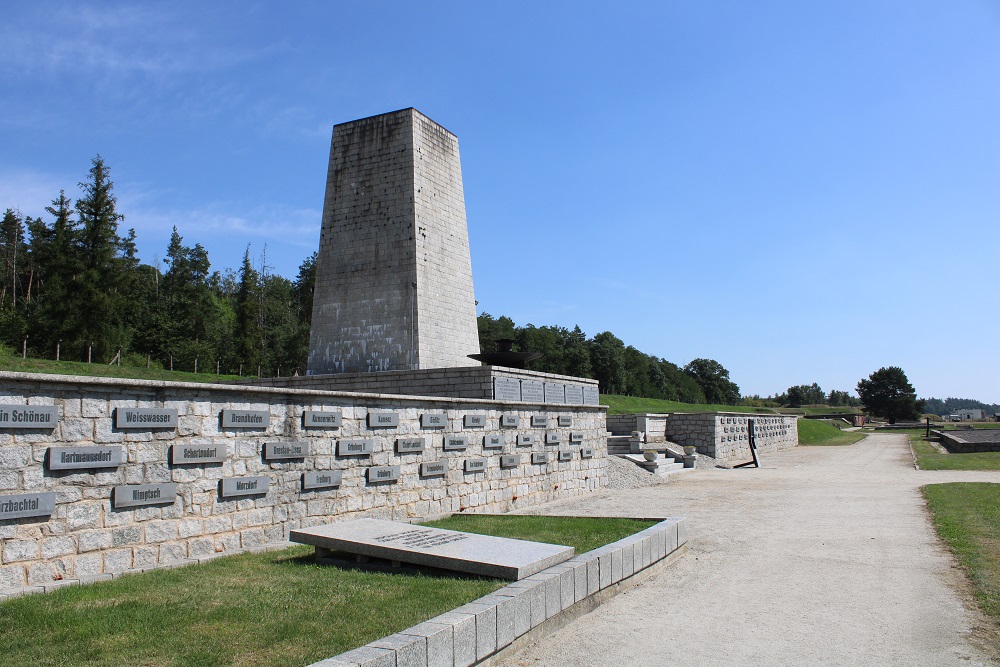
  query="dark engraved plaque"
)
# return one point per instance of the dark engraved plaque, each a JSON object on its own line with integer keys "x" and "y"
{"x": 539, "y": 457}
{"x": 565, "y": 421}
{"x": 475, "y": 465}
{"x": 509, "y": 421}
{"x": 532, "y": 391}
{"x": 245, "y": 418}
{"x": 27, "y": 504}
{"x": 510, "y": 460}
{"x": 383, "y": 419}
{"x": 433, "y": 468}
{"x": 565, "y": 455}
{"x": 539, "y": 421}
{"x": 555, "y": 392}
{"x": 574, "y": 394}
{"x": 244, "y": 486}
{"x": 321, "y": 479}
{"x": 69, "y": 458}
{"x": 526, "y": 439}
{"x": 506, "y": 389}
{"x": 475, "y": 421}
{"x": 29, "y": 416}
{"x": 494, "y": 441}
{"x": 146, "y": 418}
{"x": 274, "y": 451}
{"x": 576, "y": 436}
{"x": 355, "y": 447}
{"x": 186, "y": 454}
{"x": 144, "y": 494}
{"x": 456, "y": 442}
{"x": 434, "y": 420}
{"x": 409, "y": 445}
{"x": 553, "y": 438}
{"x": 318, "y": 419}
{"x": 378, "y": 474}
{"x": 587, "y": 453}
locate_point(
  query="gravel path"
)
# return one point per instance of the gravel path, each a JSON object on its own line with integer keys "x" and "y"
{"x": 823, "y": 556}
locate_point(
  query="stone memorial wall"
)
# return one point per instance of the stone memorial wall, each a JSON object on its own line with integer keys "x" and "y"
{"x": 725, "y": 435}
{"x": 101, "y": 475}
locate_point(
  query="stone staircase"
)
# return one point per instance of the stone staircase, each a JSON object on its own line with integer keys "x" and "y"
{"x": 664, "y": 466}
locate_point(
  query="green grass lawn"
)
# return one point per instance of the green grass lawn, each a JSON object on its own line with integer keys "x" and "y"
{"x": 277, "y": 608}
{"x": 618, "y": 405}
{"x": 930, "y": 458}
{"x": 967, "y": 517}
{"x": 29, "y": 365}
{"x": 817, "y": 432}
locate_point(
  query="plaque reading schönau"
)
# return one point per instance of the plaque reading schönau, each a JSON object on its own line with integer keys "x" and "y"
{"x": 510, "y": 460}
{"x": 574, "y": 394}
{"x": 28, "y": 416}
{"x": 456, "y": 442}
{"x": 532, "y": 391}
{"x": 565, "y": 421}
{"x": 576, "y": 436}
{"x": 494, "y": 442}
{"x": 555, "y": 392}
{"x": 383, "y": 419}
{"x": 245, "y": 486}
{"x": 409, "y": 445}
{"x": 539, "y": 457}
{"x": 566, "y": 455}
{"x": 138, "y": 495}
{"x": 69, "y": 458}
{"x": 590, "y": 396}
{"x": 433, "y": 420}
{"x": 510, "y": 421}
{"x": 539, "y": 421}
{"x": 185, "y": 454}
{"x": 147, "y": 418}
{"x": 526, "y": 439}
{"x": 27, "y": 504}
{"x": 321, "y": 479}
{"x": 355, "y": 447}
{"x": 475, "y": 465}
{"x": 245, "y": 418}
{"x": 553, "y": 438}
{"x": 320, "y": 419}
{"x": 378, "y": 474}
{"x": 506, "y": 389}
{"x": 587, "y": 453}
{"x": 433, "y": 468}
{"x": 475, "y": 421}
{"x": 274, "y": 451}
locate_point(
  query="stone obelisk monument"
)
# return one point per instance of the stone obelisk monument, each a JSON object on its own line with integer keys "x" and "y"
{"x": 394, "y": 275}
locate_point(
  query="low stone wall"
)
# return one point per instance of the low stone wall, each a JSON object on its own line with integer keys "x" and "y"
{"x": 242, "y": 466}
{"x": 969, "y": 442}
{"x": 654, "y": 425}
{"x": 725, "y": 435}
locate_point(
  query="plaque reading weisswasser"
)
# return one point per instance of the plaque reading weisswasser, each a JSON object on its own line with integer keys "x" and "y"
{"x": 135, "y": 418}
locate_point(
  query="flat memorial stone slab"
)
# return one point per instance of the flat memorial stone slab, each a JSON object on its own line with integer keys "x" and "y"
{"x": 485, "y": 555}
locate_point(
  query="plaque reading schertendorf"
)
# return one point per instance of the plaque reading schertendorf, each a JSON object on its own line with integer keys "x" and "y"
{"x": 499, "y": 557}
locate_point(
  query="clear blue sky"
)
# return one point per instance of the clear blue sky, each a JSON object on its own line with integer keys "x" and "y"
{"x": 802, "y": 191}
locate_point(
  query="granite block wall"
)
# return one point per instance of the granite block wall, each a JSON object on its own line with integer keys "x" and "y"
{"x": 724, "y": 435}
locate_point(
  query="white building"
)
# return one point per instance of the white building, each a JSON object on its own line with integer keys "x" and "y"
{"x": 970, "y": 414}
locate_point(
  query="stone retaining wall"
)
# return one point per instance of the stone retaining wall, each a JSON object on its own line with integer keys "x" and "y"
{"x": 86, "y": 536}
{"x": 724, "y": 435}
{"x": 969, "y": 442}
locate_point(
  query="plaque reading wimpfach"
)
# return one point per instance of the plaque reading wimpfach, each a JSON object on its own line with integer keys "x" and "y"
{"x": 539, "y": 458}
{"x": 456, "y": 442}
{"x": 321, "y": 479}
{"x": 590, "y": 396}
{"x": 409, "y": 445}
{"x": 574, "y": 394}
{"x": 29, "y": 416}
{"x": 587, "y": 453}
{"x": 185, "y": 454}
{"x": 383, "y": 419}
{"x": 378, "y": 474}
{"x": 69, "y": 458}
{"x": 138, "y": 495}
{"x": 494, "y": 442}
{"x": 566, "y": 455}
{"x": 475, "y": 465}
{"x": 510, "y": 460}
{"x": 475, "y": 421}
{"x": 433, "y": 468}
{"x": 532, "y": 391}
{"x": 506, "y": 389}
{"x": 320, "y": 419}
{"x": 433, "y": 420}
{"x": 245, "y": 418}
{"x": 510, "y": 421}
{"x": 565, "y": 421}
{"x": 245, "y": 486}
{"x": 553, "y": 438}
{"x": 576, "y": 436}
{"x": 555, "y": 392}
{"x": 539, "y": 421}
{"x": 27, "y": 504}
{"x": 274, "y": 451}
{"x": 145, "y": 418}
{"x": 355, "y": 447}
{"x": 526, "y": 439}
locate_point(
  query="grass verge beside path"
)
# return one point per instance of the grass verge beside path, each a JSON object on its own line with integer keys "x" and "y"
{"x": 930, "y": 458}
{"x": 276, "y": 608}
{"x": 967, "y": 517}
{"x": 817, "y": 432}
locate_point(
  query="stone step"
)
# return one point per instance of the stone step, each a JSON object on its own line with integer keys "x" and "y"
{"x": 662, "y": 467}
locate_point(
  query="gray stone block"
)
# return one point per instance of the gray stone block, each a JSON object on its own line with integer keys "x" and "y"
{"x": 579, "y": 579}
{"x": 606, "y": 569}
{"x": 520, "y": 601}
{"x": 682, "y": 532}
{"x": 593, "y": 576}
{"x": 464, "y": 639}
{"x": 486, "y": 626}
{"x": 616, "y": 566}
{"x": 439, "y": 642}
{"x": 628, "y": 561}
{"x": 410, "y": 651}
{"x": 367, "y": 656}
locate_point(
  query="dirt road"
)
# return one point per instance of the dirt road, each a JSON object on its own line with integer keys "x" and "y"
{"x": 825, "y": 556}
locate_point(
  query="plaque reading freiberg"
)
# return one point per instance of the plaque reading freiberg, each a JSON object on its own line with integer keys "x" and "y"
{"x": 456, "y": 442}
{"x": 433, "y": 468}
{"x": 27, "y": 504}
{"x": 355, "y": 447}
{"x": 475, "y": 421}
{"x": 509, "y": 421}
{"x": 244, "y": 486}
{"x": 69, "y": 458}
{"x": 539, "y": 457}
{"x": 409, "y": 445}
{"x": 506, "y": 389}
{"x": 475, "y": 465}
{"x": 383, "y": 419}
{"x": 29, "y": 416}
{"x": 145, "y": 418}
{"x": 138, "y": 495}
{"x": 245, "y": 418}
{"x": 321, "y": 479}
{"x": 494, "y": 442}
{"x": 183, "y": 454}
{"x": 319, "y": 419}
{"x": 510, "y": 460}
{"x": 435, "y": 420}
{"x": 285, "y": 450}
{"x": 378, "y": 474}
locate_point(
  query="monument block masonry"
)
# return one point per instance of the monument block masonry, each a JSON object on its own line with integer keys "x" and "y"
{"x": 394, "y": 274}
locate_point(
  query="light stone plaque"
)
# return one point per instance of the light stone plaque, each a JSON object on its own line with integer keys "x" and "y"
{"x": 538, "y": 458}
{"x": 587, "y": 453}
{"x": 526, "y": 439}
{"x": 475, "y": 465}
{"x": 509, "y": 421}
{"x": 555, "y": 392}
{"x": 29, "y": 416}
{"x": 138, "y": 495}
{"x": 494, "y": 442}
{"x": 434, "y": 420}
{"x": 475, "y": 421}
{"x": 510, "y": 460}
{"x": 377, "y": 474}
{"x": 506, "y": 389}
{"x": 186, "y": 454}
{"x": 355, "y": 447}
{"x": 320, "y": 419}
{"x": 553, "y": 438}
{"x": 286, "y": 450}
{"x": 256, "y": 485}
{"x": 539, "y": 421}
{"x": 409, "y": 445}
{"x": 576, "y": 436}
{"x": 69, "y": 458}
{"x": 245, "y": 418}
{"x": 565, "y": 421}
{"x": 565, "y": 455}
{"x": 574, "y": 394}
{"x": 433, "y": 468}
{"x": 591, "y": 395}
{"x": 321, "y": 479}
{"x": 532, "y": 391}
{"x": 147, "y": 418}
{"x": 456, "y": 442}
{"x": 24, "y": 505}
{"x": 383, "y": 419}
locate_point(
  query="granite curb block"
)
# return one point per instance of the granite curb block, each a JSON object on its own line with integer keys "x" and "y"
{"x": 477, "y": 631}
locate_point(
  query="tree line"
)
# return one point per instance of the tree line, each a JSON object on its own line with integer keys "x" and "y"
{"x": 74, "y": 283}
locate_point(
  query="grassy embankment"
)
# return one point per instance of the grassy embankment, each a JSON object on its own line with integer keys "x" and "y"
{"x": 277, "y": 608}
{"x": 819, "y": 432}
{"x": 930, "y": 457}
{"x": 29, "y": 365}
{"x": 630, "y": 404}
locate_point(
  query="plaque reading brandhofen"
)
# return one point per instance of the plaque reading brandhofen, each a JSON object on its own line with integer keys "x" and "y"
{"x": 29, "y": 416}
{"x": 321, "y": 479}
{"x": 245, "y": 418}
{"x": 318, "y": 419}
{"x": 145, "y": 418}
{"x": 138, "y": 495}
{"x": 69, "y": 458}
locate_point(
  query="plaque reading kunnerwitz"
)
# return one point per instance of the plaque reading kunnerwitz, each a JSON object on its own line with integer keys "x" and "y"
{"x": 69, "y": 458}
{"x": 28, "y": 416}
{"x": 245, "y": 418}
{"x": 147, "y": 418}
{"x": 322, "y": 479}
{"x": 319, "y": 419}
{"x": 138, "y": 495}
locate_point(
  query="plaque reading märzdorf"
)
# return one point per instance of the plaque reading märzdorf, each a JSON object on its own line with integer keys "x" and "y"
{"x": 245, "y": 486}
{"x": 322, "y": 479}
{"x": 383, "y": 419}
{"x": 138, "y": 495}
{"x": 145, "y": 418}
{"x": 506, "y": 389}
{"x": 285, "y": 450}
{"x": 27, "y": 504}
{"x": 69, "y": 458}
{"x": 28, "y": 416}
{"x": 383, "y": 474}
{"x": 433, "y": 468}
{"x": 182, "y": 454}
{"x": 318, "y": 419}
{"x": 475, "y": 465}
{"x": 433, "y": 420}
{"x": 355, "y": 447}
{"x": 475, "y": 421}
{"x": 245, "y": 418}
{"x": 494, "y": 442}
{"x": 456, "y": 442}
{"x": 409, "y": 445}
{"x": 509, "y": 421}
{"x": 532, "y": 391}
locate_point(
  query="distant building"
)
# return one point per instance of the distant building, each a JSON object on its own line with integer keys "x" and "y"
{"x": 970, "y": 414}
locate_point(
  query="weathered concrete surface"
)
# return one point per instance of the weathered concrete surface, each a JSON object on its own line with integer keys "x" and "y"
{"x": 824, "y": 556}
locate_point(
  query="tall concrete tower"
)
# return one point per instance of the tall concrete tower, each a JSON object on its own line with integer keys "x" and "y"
{"x": 394, "y": 275}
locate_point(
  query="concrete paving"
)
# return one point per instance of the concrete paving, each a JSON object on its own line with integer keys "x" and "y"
{"x": 826, "y": 555}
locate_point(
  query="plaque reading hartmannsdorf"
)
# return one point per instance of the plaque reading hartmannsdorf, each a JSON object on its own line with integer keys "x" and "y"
{"x": 69, "y": 458}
